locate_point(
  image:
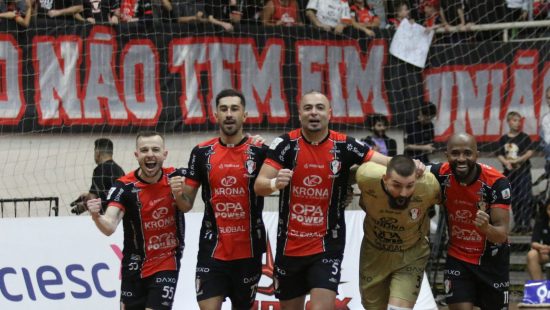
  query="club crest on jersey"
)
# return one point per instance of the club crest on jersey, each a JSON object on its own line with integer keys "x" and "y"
{"x": 414, "y": 213}
{"x": 250, "y": 166}
{"x": 505, "y": 193}
{"x": 335, "y": 166}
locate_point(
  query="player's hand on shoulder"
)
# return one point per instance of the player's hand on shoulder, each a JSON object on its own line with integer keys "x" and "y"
{"x": 257, "y": 139}
{"x": 420, "y": 167}
{"x": 94, "y": 206}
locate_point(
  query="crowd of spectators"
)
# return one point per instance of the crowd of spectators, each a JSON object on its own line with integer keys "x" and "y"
{"x": 330, "y": 15}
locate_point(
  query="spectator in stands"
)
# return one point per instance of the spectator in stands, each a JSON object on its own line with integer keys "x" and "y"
{"x": 515, "y": 149}
{"x": 281, "y": 12}
{"x": 136, "y": 10}
{"x": 419, "y": 135}
{"x": 545, "y": 132}
{"x": 378, "y": 7}
{"x": 251, "y": 11}
{"x": 379, "y": 141}
{"x": 452, "y": 13}
{"x": 363, "y": 17}
{"x": 432, "y": 18}
{"x": 99, "y": 12}
{"x": 189, "y": 11}
{"x": 516, "y": 10}
{"x": 223, "y": 13}
{"x": 402, "y": 12}
{"x": 18, "y": 10}
{"x": 329, "y": 15}
{"x": 105, "y": 174}
{"x": 540, "y": 246}
{"x": 58, "y": 8}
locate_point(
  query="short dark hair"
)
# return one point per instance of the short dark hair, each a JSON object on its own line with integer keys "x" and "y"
{"x": 402, "y": 165}
{"x": 400, "y": 4}
{"x": 377, "y": 118}
{"x": 230, "y": 92}
{"x": 428, "y": 109}
{"x": 147, "y": 134}
{"x": 104, "y": 145}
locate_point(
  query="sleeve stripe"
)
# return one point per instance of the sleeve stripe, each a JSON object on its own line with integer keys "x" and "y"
{"x": 368, "y": 156}
{"x": 273, "y": 164}
{"x": 117, "y": 205}
{"x": 192, "y": 183}
{"x": 501, "y": 206}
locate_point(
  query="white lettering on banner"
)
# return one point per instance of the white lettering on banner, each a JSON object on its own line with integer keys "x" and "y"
{"x": 12, "y": 103}
{"x": 102, "y": 98}
{"x": 307, "y": 214}
{"x": 229, "y": 210}
{"x": 310, "y": 192}
{"x": 360, "y": 92}
{"x": 140, "y": 67}
{"x": 57, "y": 95}
{"x": 470, "y": 98}
{"x": 262, "y": 87}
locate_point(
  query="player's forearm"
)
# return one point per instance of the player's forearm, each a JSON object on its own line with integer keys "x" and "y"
{"x": 526, "y": 156}
{"x": 105, "y": 225}
{"x": 71, "y": 10}
{"x": 262, "y": 186}
{"x": 380, "y": 159}
{"x": 184, "y": 203}
{"x": 497, "y": 234}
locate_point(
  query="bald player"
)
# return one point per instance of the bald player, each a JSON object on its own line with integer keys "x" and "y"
{"x": 310, "y": 166}
{"x": 477, "y": 199}
{"x": 395, "y": 247}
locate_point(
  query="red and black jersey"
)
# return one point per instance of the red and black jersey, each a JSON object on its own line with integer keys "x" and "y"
{"x": 311, "y": 208}
{"x": 232, "y": 226}
{"x": 490, "y": 190}
{"x": 153, "y": 226}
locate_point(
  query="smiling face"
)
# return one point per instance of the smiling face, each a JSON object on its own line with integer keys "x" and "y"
{"x": 462, "y": 156}
{"x": 150, "y": 154}
{"x": 314, "y": 113}
{"x": 230, "y": 115}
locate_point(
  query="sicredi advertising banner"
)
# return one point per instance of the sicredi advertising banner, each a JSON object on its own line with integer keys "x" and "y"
{"x": 66, "y": 263}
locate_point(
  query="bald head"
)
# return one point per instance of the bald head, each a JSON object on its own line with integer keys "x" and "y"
{"x": 462, "y": 139}
{"x": 314, "y": 96}
{"x": 462, "y": 156}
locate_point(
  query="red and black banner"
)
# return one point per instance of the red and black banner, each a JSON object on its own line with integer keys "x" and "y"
{"x": 80, "y": 78}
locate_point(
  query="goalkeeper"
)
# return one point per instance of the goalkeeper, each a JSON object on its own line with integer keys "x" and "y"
{"x": 105, "y": 174}
{"x": 395, "y": 248}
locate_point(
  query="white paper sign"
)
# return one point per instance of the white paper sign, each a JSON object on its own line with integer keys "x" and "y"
{"x": 411, "y": 43}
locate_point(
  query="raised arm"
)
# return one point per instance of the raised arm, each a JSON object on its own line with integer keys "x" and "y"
{"x": 270, "y": 179}
{"x": 493, "y": 224}
{"x": 184, "y": 194}
{"x": 108, "y": 222}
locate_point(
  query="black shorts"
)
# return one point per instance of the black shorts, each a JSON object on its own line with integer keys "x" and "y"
{"x": 154, "y": 292}
{"x": 296, "y": 276}
{"x": 486, "y": 286}
{"x": 237, "y": 279}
